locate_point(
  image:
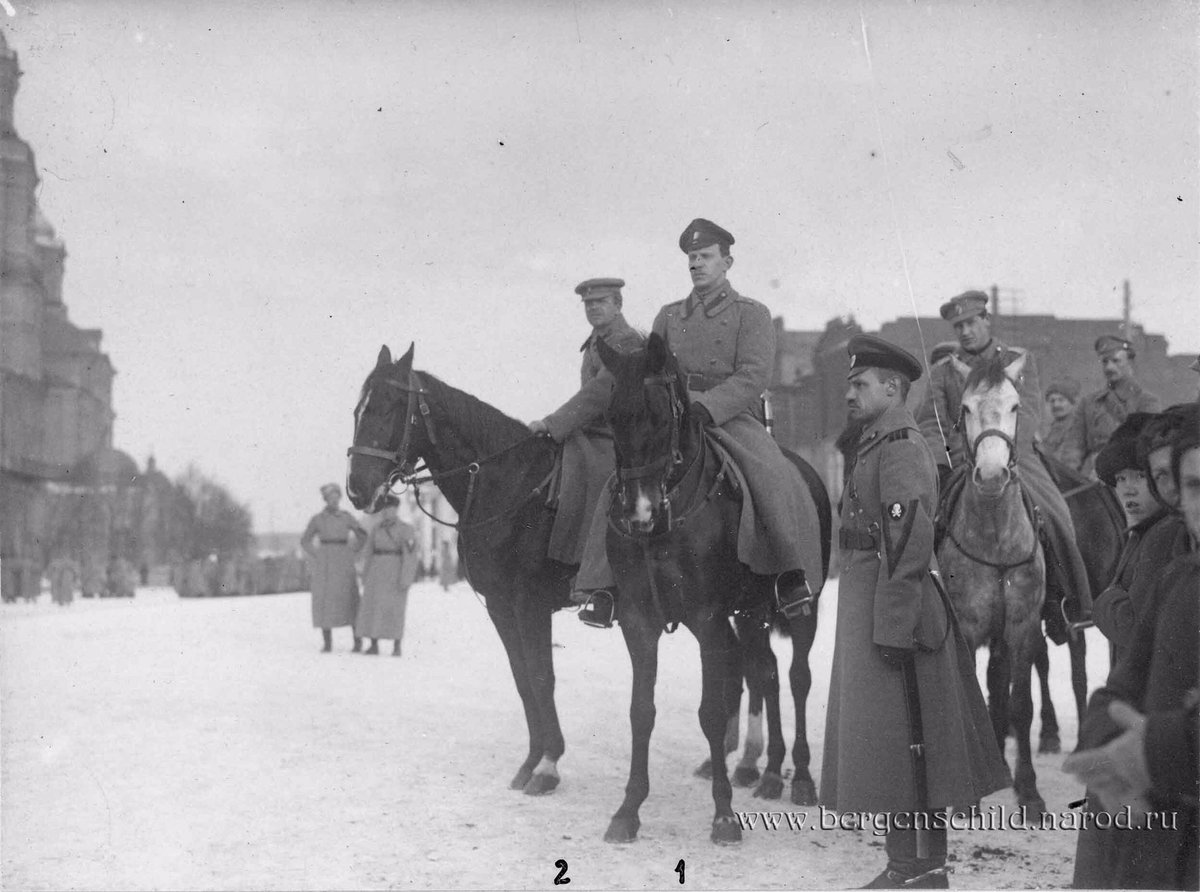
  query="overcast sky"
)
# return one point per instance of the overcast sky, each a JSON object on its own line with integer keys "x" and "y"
{"x": 255, "y": 196}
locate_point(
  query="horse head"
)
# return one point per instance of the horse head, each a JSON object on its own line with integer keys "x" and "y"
{"x": 990, "y": 407}
{"x": 385, "y": 430}
{"x": 650, "y": 420}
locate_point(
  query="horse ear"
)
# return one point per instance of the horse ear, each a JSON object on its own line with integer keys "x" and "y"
{"x": 407, "y": 358}
{"x": 657, "y": 354}
{"x": 385, "y": 357}
{"x": 959, "y": 366}
{"x": 1012, "y": 371}
{"x": 608, "y": 355}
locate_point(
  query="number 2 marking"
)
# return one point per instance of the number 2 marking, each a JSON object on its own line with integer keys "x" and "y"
{"x": 562, "y": 877}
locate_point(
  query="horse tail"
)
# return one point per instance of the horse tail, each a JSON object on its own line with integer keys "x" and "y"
{"x": 820, "y": 496}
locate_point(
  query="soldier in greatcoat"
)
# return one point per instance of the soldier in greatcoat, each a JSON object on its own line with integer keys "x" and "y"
{"x": 587, "y": 458}
{"x": 1061, "y": 438}
{"x": 331, "y": 539}
{"x": 1100, "y": 412}
{"x": 937, "y": 417}
{"x": 897, "y": 652}
{"x": 391, "y": 558}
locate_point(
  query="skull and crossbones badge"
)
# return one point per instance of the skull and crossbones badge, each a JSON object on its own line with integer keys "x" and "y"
{"x": 895, "y": 511}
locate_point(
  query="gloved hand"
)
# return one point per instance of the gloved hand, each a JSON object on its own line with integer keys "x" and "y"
{"x": 699, "y": 410}
{"x": 895, "y": 657}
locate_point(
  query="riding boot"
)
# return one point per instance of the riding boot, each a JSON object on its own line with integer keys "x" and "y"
{"x": 327, "y": 636}
{"x": 599, "y": 610}
{"x": 374, "y": 648}
{"x": 905, "y": 870}
{"x": 792, "y": 594}
{"x": 357, "y": 645}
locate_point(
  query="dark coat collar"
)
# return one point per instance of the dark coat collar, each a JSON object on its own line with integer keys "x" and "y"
{"x": 718, "y": 303}
{"x": 617, "y": 327}
{"x": 893, "y": 419}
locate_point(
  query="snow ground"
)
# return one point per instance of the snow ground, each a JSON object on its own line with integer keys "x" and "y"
{"x": 163, "y": 743}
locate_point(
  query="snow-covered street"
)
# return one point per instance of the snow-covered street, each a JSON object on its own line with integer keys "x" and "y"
{"x": 162, "y": 743}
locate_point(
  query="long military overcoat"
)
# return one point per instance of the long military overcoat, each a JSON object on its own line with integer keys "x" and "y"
{"x": 886, "y": 597}
{"x": 936, "y": 418}
{"x": 334, "y": 583}
{"x": 726, "y": 347}
{"x": 587, "y": 442}
{"x": 391, "y": 558}
{"x": 1098, "y": 415}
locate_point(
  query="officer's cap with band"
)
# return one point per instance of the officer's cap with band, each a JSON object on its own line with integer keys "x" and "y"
{"x": 1106, "y": 345}
{"x": 871, "y": 352}
{"x": 964, "y": 306}
{"x": 1120, "y": 452}
{"x": 701, "y": 233}
{"x": 595, "y": 289}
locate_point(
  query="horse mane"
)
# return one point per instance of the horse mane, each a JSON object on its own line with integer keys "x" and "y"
{"x": 481, "y": 424}
{"x": 989, "y": 374}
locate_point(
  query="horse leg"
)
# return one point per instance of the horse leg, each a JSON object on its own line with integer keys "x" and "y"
{"x": 535, "y": 623}
{"x": 1024, "y": 778}
{"x": 732, "y": 726}
{"x": 1048, "y": 739}
{"x": 804, "y": 631}
{"x": 771, "y": 786}
{"x": 717, "y": 642}
{"x": 510, "y": 636}
{"x": 999, "y": 679}
{"x": 1077, "y": 648}
{"x": 746, "y": 771}
{"x": 642, "y": 643}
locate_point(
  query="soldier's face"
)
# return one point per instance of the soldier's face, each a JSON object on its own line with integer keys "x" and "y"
{"x": 601, "y": 310}
{"x": 1060, "y": 406}
{"x": 1189, "y": 491}
{"x": 1133, "y": 492}
{"x": 331, "y": 497}
{"x": 974, "y": 333}
{"x": 868, "y": 396}
{"x": 1160, "y": 472}
{"x": 708, "y": 267}
{"x": 1117, "y": 366}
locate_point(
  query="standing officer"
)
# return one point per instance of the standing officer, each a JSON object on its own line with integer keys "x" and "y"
{"x": 937, "y": 417}
{"x": 334, "y": 583}
{"x": 900, "y": 667}
{"x": 1101, "y": 412}
{"x": 1062, "y": 439}
{"x": 578, "y": 424}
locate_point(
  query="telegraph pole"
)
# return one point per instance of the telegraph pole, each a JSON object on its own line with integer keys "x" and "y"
{"x": 1126, "y": 328}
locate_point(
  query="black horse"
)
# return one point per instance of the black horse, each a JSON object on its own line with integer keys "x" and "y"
{"x": 495, "y": 475}
{"x": 672, "y": 544}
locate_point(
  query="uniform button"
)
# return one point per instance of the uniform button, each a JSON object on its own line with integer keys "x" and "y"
{"x": 712, "y": 362}
{"x": 717, "y": 341}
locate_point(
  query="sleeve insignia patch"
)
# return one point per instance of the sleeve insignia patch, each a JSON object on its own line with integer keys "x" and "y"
{"x": 895, "y": 511}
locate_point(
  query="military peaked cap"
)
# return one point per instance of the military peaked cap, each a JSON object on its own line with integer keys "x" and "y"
{"x": 701, "y": 233}
{"x": 964, "y": 306}
{"x": 871, "y": 352}
{"x": 1067, "y": 387}
{"x": 594, "y": 289}
{"x": 1106, "y": 344}
{"x": 331, "y": 486}
{"x": 1120, "y": 453}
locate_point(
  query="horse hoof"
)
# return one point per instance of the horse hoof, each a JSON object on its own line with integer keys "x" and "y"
{"x": 804, "y": 791}
{"x": 744, "y": 777}
{"x": 1050, "y": 743}
{"x": 521, "y": 778}
{"x": 770, "y": 787}
{"x": 622, "y": 830}
{"x": 705, "y": 770}
{"x": 540, "y": 785}
{"x": 726, "y": 831}
{"x": 1034, "y": 807}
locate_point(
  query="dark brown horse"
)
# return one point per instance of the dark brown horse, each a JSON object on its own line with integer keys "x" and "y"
{"x": 672, "y": 544}
{"x": 495, "y": 475}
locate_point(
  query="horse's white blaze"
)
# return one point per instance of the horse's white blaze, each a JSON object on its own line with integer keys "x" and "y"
{"x": 992, "y": 410}
{"x": 547, "y": 766}
{"x": 643, "y": 508}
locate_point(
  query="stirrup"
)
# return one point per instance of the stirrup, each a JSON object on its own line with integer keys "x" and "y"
{"x": 599, "y": 609}
{"x": 1073, "y": 626}
{"x": 803, "y": 605}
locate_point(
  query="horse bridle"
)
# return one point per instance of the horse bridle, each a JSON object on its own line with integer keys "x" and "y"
{"x": 402, "y": 467}
{"x": 665, "y": 463}
{"x": 973, "y": 447}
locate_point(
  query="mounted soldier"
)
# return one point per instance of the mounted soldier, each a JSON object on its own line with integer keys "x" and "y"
{"x": 579, "y": 425}
{"x": 938, "y": 418}
{"x": 1101, "y": 412}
